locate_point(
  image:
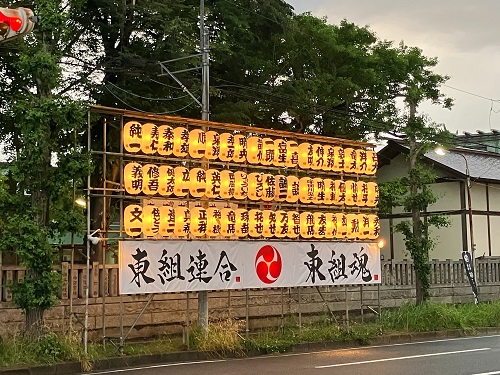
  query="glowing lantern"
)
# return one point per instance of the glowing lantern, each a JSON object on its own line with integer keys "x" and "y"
{"x": 181, "y": 175}
{"x": 151, "y": 182}
{"x": 293, "y": 224}
{"x": 281, "y": 188}
{"x": 213, "y": 183}
{"x": 150, "y": 138}
{"x": 132, "y": 136}
{"x": 351, "y": 193}
{"x": 292, "y": 189}
{"x": 254, "y": 150}
{"x": 151, "y": 221}
{"x": 341, "y": 226}
{"x": 331, "y": 225}
{"x": 240, "y": 148}
{"x": 166, "y": 147}
{"x": 268, "y": 187}
{"x": 352, "y": 226}
{"x": 281, "y": 224}
{"x": 167, "y": 180}
{"x": 319, "y": 191}
{"x": 255, "y": 223}
{"x": 373, "y": 194}
{"x": 213, "y": 222}
{"x": 212, "y": 147}
{"x": 227, "y": 184}
{"x": 307, "y": 224}
{"x": 269, "y": 223}
{"x": 292, "y": 154}
{"x": 198, "y": 221}
{"x": 330, "y": 158}
{"x": 350, "y": 160}
{"x": 132, "y": 220}
{"x": 371, "y": 162}
{"x": 306, "y": 189}
{"x": 167, "y": 222}
{"x": 329, "y": 191}
{"x": 133, "y": 178}
{"x": 268, "y": 151}
{"x": 181, "y": 142}
{"x": 198, "y": 182}
{"x": 305, "y": 155}
{"x": 364, "y": 227}
{"x": 340, "y": 193}
{"x": 319, "y": 157}
{"x": 240, "y": 185}
{"x": 319, "y": 225}
{"x": 226, "y": 147}
{"x": 182, "y": 221}
{"x": 228, "y": 222}
{"x": 255, "y": 186}
{"x": 197, "y": 143}
{"x": 374, "y": 227}
{"x": 361, "y": 161}
{"x": 241, "y": 227}
{"x": 339, "y": 159}
{"x": 362, "y": 193}
{"x": 280, "y": 152}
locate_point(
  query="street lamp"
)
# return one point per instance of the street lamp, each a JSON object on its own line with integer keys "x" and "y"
{"x": 441, "y": 152}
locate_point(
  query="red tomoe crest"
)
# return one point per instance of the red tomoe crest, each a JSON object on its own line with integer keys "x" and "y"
{"x": 268, "y": 264}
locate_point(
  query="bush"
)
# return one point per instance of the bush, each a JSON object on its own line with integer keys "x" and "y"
{"x": 220, "y": 337}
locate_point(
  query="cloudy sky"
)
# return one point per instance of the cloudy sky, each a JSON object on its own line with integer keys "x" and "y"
{"x": 463, "y": 35}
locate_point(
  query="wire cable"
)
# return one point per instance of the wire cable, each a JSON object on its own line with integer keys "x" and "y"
{"x": 145, "y": 97}
{"x": 140, "y": 110}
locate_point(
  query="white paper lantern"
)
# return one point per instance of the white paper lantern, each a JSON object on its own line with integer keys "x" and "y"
{"x": 198, "y": 222}
{"x": 132, "y": 220}
{"x": 319, "y": 157}
{"x": 226, "y": 147}
{"x": 150, "y": 138}
{"x": 292, "y": 154}
{"x": 280, "y": 149}
{"x": 151, "y": 182}
{"x": 255, "y": 186}
{"x": 181, "y": 142}
{"x": 181, "y": 181}
{"x": 182, "y": 221}
{"x": 166, "y": 146}
{"x": 281, "y": 188}
{"x": 198, "y": 182}
{"x": 197, "y": 143}
{"x": 268, "y": 151}
{"x": 293, "y": 189}
{"x": 167, "y": 222}
{"x": 212, "y": 147}
{"x": 255, "y": 223}
{"x": 307, "y": 225}
{"x": 213, "y": 183}
{"x": 268, "y": 187}
{"x": 254, "y": 150}
{"x": 240, "y": 148}
{"x": 166, "y": 180}
{"x": 240, "y": 185}
{"x": 133, "y": 178}
{"x": 293, "y": 224}
{"x": 228, "y": 222}
{"x": 132, "y": 136}
{"x": 214, "y": 216}
{"x": 151, "y": 221}
{"x": 281, "y": 224}
{"x": 306, "y": 157}
{"x": 227, "y": 184}
{"x": 241, "y": 227}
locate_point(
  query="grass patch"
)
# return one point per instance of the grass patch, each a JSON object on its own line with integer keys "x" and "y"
{"x": 224, "y": 336}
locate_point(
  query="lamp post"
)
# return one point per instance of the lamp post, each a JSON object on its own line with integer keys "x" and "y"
{"x": 441, "y": 151}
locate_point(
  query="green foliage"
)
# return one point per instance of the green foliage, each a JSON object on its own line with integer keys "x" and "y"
{"x": 49, "y": 348}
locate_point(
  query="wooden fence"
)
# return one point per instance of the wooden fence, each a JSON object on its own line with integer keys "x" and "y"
{"x": 104, "y": 279}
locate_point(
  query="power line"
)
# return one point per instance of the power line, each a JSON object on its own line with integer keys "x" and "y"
{"x": 140, "y": 110}
{"x": 470, "y": 93}
{"x": 145, "y": 97}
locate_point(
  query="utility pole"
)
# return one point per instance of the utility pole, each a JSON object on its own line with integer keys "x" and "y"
{"x": 205, "y": 114}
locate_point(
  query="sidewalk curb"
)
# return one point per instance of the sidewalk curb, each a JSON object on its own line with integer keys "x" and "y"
{"x": 68, "y": 368}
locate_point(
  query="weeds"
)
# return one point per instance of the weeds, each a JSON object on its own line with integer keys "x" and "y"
{"x": 223, "y": 337}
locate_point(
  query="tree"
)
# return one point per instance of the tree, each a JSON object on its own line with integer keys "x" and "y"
{"x": 40, "y": 130}
{"x": 417, "y": 83}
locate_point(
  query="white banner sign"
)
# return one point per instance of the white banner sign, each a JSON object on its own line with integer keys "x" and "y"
{"x": 179, "y": 266}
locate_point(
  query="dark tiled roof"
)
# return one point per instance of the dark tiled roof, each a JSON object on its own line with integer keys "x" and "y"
{"x": 482, "y": 165}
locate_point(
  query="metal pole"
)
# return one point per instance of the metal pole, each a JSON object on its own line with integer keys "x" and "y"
{"x": 203, "y": 295}
{"x": 247, "y": 313}
{"x": 86, "y": 321}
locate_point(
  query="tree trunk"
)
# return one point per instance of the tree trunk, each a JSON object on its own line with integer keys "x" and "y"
{"x": 34, "y": 322}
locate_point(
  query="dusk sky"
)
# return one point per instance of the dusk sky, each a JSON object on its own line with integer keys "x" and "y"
{"x": 463, "y": 35}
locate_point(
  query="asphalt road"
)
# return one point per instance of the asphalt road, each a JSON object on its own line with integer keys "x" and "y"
{"x": 468, "y": 355}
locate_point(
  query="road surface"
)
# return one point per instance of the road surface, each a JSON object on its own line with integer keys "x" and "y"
{"x": 467, "y": 355}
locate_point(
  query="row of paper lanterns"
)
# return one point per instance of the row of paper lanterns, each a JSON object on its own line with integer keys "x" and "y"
{"x": 164, "y": 180}
{"x": 227, "y": 147}
{"x": 213, "y": 222}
